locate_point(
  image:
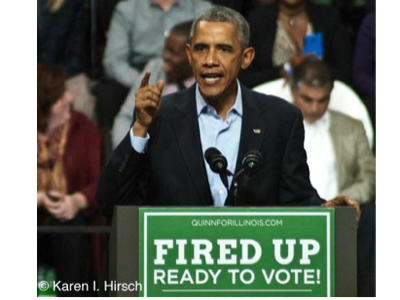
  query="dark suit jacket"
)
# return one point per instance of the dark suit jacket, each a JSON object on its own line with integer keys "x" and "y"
{"x": 172, "y": 171}
{"x": 325, "y": 19}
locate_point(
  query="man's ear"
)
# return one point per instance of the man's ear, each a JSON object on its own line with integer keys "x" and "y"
{"x": 189, "y": 53}
{"x": 247, "y": 57}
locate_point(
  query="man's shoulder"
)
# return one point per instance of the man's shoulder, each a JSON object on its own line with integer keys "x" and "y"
{"x": 345, "y": 126}
{"x": 126, "y": 7}
{"x": 344, "y": 120}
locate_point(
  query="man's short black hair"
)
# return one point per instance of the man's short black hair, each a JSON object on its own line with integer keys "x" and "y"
{"x": 313, "y": 73}
{"x": 183, "y": 29}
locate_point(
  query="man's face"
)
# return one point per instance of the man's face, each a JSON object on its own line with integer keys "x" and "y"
{"x": 312, "y": 101}
{"x": 216, "y": 56}
{"x": 176, "y": 65}
{"x": 60, "y": 111}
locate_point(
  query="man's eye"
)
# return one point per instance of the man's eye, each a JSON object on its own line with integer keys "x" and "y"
{"x": 200, "y": 48}
{"x": 322, "y": 101}
{"x": 225, "y": 49}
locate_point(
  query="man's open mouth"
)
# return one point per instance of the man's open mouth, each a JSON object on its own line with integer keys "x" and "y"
{"x": 212, "y": 77}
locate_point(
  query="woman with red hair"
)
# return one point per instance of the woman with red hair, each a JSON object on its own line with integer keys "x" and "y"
{"x": 68, "y": 165}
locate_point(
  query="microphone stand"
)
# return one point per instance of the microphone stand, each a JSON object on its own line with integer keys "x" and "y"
{"x": 218, "y": 164}
{"x": 236, "y": 187}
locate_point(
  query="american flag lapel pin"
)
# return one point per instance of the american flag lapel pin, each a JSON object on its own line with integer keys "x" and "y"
{"x": 257, "y": 131}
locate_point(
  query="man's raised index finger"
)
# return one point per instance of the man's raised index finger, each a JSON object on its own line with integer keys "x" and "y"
{"x": 145, "y": 79}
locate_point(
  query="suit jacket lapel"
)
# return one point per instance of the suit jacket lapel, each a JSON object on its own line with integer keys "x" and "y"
{"x": 186, "y": 128}
{"x": 252, "y": 134}
{"x": 335, "y": 131}
{"x": 253, "y": 128}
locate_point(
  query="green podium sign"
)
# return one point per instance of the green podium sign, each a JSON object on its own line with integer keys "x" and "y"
{"x": 237, "y": 252}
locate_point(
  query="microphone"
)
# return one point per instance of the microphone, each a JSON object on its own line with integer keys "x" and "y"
{"x": 252, "y": 162}
{"x": 216, "y": 160}
{"x": 218, "y": 164}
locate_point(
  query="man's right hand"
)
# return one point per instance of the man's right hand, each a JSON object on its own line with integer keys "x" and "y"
{"x": 147, "y": 103}
{"x": 344, "y": 201}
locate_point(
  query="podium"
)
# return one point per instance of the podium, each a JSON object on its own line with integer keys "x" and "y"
{"x": 240, "y": 251}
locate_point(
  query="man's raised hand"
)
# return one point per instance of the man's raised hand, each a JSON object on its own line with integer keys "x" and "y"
{"x": 147, "y": 103}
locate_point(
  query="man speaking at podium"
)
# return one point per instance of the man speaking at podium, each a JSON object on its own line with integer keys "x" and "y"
{"x": 161, "y": 162}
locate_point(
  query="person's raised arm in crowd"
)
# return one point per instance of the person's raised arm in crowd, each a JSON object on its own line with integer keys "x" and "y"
{"x": 278, "y": 33}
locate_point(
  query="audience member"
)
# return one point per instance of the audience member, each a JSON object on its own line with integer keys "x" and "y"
{"x": 340, "y": 160}
{"x": 278, "y": 37}
{"x": 136, "y": 35}
{"x": 365, "y": 57}
{"x": 59, "y": 34}
{"x": 173, "y": 68}
{"x": 68, "y": 165}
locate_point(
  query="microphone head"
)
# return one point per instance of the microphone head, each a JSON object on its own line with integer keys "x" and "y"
{"x": 216, "y": 160}
{"x": 210, "y": 152}
{"x": 252, "y": 162}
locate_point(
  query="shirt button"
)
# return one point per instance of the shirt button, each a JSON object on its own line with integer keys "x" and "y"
{"x": 221, "y": 192}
